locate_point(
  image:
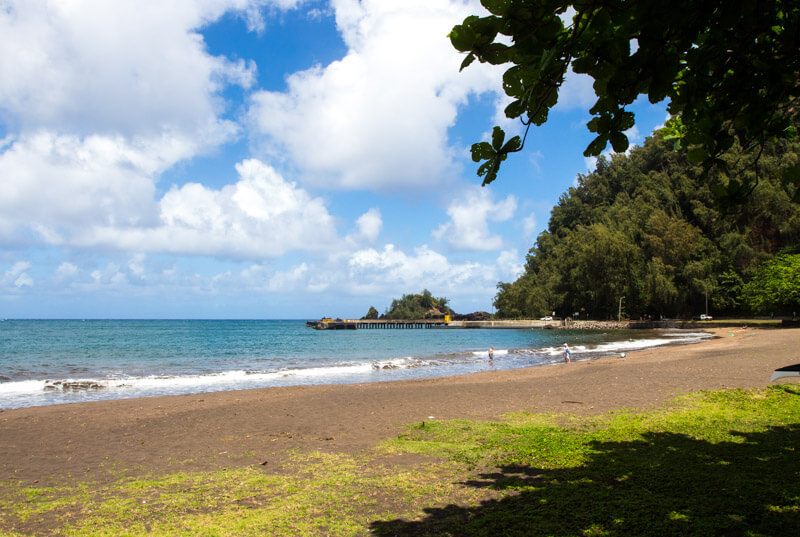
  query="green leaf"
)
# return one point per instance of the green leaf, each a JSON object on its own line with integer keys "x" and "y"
{"x": 550, "y": 30}
{"x": 696, "y": 138}
{"x": 482, "y": 151}
{"x": 546, "y": 59}
{"x": 540, "y": 118}
{"x": 724, "y": 142}
{"x": 583, "y": 64}
{"x": 490, "y": 168}
{"x": 596, "y": 147}
{"x": 674, "y": 129}
{"x": 658, "y": 91}
{"x": 697, "y": 155}
{"x": 512, "y": 84}
{"x": 468, "y": 60}
{"x": 513, "y": 145}
{"x": 462, "y": 36}
{"x": 600, "y": 124}
{"x": 496, "y": 7}
{"x": 498, "y": 135}
{"x": 515, "y": 109}
{"x": 625, "y": 120}
{"x": 495, "y": 53}
{"x": 619, "y": 142}
{"x": 485, "y": 29}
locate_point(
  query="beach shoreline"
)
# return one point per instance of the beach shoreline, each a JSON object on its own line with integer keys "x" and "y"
{"x": 57, "y": 362}
{"x": 94, "y": 441}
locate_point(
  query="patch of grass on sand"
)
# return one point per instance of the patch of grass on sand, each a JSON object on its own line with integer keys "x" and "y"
{"x": 713, "y": 463}
{"x": 314, "y": 494}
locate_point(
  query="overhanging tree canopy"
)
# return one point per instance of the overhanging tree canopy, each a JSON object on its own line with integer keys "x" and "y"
{"x": 730, "y": 70}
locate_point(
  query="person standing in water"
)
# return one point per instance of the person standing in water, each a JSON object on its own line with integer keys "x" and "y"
{"x": 491, "y": 355}
{"x": 567, "y": 353}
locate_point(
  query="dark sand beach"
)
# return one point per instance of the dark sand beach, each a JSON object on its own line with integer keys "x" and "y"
{"x": 93, "y": 441}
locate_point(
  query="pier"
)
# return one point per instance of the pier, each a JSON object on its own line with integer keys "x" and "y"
{"x": 353, "y": 324}
{"x": 445, "y": 322}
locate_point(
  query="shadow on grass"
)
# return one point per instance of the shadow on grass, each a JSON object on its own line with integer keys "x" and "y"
{"x": 665, "y": 484}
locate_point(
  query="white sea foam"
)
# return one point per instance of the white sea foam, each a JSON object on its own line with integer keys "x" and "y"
{"x": 614, "y": 347}
{"x": 485, "y": 354}
{"x": 21, "y": 387}
{"x": 408, "y": 362}
{"x": 27, "y": 392}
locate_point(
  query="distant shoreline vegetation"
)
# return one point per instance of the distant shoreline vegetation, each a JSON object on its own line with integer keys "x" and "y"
{"x": 414, "y": 306}
{"x": 421, "y": 306}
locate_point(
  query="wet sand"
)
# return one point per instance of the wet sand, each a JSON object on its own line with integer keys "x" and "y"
{"x": 94, "y": 441}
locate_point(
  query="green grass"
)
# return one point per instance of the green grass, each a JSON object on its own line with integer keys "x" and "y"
{"x": 713, "y": 463}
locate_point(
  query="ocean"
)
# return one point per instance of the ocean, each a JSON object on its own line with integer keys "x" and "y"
{"x": 46, "y": 362}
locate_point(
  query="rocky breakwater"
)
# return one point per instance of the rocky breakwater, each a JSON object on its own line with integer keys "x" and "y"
{"x": 605, "y": 325}
{"x": 72, "y": 385}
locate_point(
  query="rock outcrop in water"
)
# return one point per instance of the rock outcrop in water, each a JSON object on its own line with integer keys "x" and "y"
{"x": 72, "y": 385}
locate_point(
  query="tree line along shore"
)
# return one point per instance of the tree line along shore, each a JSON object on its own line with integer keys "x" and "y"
{"x": 643, "y": 236}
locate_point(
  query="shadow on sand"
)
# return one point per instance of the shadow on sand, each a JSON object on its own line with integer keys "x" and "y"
{"x": 666, "y": 484}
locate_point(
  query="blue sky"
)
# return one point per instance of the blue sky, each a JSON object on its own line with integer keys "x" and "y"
{"x": 261, "y": 159}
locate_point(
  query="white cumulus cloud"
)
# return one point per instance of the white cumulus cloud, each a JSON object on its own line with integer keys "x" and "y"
{"x": 390, "y": 272}
{"x": 529, "y": 225}
{"x": 468, "y": 228}
{"x": 369, "y": 224}
{"x": 259, "y": 216}
{"x": 130, "y": 67}
{"x": 61, "y": 183}
{"x": 378, "y": 118}
{"x": 509, "y": 265}
{"x": 98, "y": 99}
{"x": 17, "y": 276}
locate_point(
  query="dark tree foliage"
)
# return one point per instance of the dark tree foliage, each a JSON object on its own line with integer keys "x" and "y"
{"x": 372, "y": 313}
{"x": 421, "y": 306}
{"x": 644, "y": 227}
{"x": 729, "y": 69}
{"x": 775, "y": 287}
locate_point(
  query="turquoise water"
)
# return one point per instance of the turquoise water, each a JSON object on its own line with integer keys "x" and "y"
{"x": 46, "y": 362}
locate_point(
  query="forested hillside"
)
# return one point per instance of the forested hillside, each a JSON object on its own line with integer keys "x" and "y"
{"x": 644, "y": 227}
